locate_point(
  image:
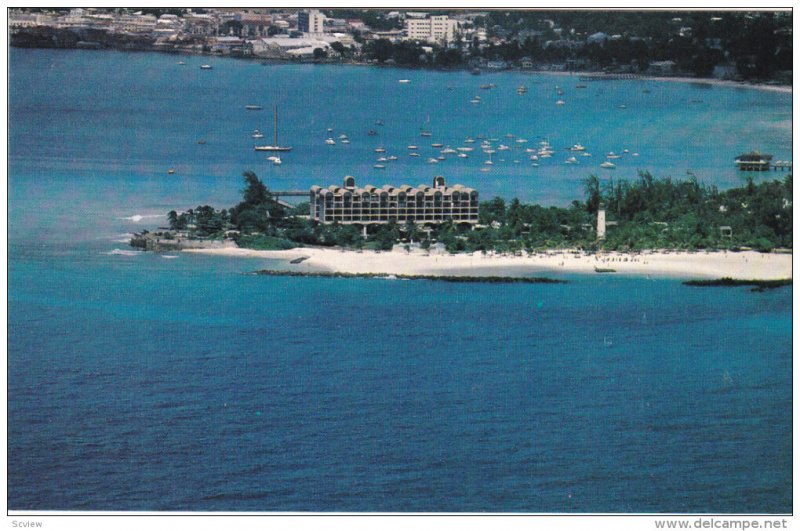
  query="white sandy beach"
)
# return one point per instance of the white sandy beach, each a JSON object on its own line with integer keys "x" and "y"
{"x": 749, "y": 265}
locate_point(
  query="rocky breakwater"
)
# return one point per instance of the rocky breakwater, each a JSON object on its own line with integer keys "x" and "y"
{"x": 176, "y": 241}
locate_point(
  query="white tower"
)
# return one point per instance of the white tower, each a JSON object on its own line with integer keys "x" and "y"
{"x": 601, "y": 222}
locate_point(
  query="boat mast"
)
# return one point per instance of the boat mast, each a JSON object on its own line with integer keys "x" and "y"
{"x": 276, "y": 126}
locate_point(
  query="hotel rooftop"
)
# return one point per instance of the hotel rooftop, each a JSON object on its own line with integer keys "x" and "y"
{"x": 351, "y": 204}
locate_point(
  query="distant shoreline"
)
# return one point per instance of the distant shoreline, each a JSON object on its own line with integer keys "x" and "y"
{"x": 785, "y": 89}
{"x": 746, "y": 265}
{"x": 678, "y": 79}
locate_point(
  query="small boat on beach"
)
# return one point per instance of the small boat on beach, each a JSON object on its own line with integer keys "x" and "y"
{"x": 604, "y": 270}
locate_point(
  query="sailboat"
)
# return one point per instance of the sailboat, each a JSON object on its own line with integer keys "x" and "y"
{"x": 275, "y": 146}
{"x": 426, "y": 131}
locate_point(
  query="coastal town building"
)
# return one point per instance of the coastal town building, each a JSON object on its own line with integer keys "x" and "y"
{"x": 432, "y": 29}
{"x": 351, "y": 204}
{"x": 311, "y": 21}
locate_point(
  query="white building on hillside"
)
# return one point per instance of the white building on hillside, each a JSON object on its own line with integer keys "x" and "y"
{"x": 311, "y": 21}
{"x": 432, "y": 29}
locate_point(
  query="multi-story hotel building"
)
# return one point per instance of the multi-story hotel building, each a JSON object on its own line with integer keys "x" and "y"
{"x": 421, "y": 204}
{"x": 310, "y": 21}
{"x": 432, "y": 29}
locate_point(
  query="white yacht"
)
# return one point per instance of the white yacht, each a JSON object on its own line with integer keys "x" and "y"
{"x": 330, "y": 141}
{"x": 608, "y": 165}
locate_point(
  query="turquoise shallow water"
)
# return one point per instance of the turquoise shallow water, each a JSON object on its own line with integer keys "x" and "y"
{"x": 143, "y": 382}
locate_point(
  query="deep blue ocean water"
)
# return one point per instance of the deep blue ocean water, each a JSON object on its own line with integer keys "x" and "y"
{"x": 144, "y": 382}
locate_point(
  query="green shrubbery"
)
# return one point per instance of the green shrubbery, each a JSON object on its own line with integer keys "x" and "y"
{"x": 647, "y": 213}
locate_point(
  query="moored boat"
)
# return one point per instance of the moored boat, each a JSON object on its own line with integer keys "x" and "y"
{"x": 275, "y": 146}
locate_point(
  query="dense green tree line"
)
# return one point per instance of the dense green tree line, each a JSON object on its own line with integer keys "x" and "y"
{"x": 759, "y": 44}
{"x": 646, "y": 213}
